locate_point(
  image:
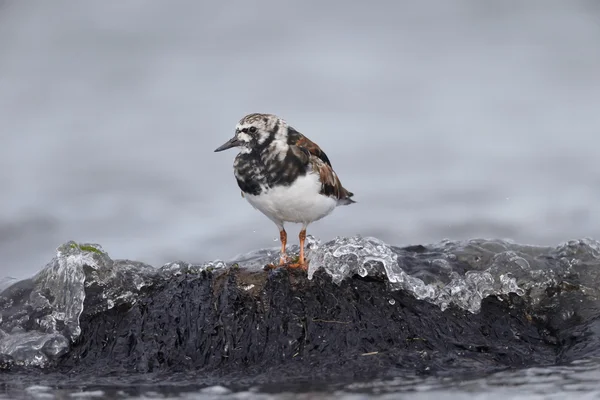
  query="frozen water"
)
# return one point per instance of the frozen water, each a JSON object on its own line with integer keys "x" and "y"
{"x": 349, "y": 256}
{"x": 33, "y": 348}
{"x": 489, "y": 267}
{"x": 44, "y": 317}
{"x": 60, "y": 287}
{"x": 181, "y": 267}
{"x": 257, "y": 259}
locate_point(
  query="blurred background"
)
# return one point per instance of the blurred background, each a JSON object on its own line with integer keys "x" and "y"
{"x": 447, "y": 119}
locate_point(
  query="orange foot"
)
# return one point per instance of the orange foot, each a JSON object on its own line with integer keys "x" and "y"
{"x": 301, "y": 266}
{"x": 292, "y": 265}
{"x": 283, "y": 261}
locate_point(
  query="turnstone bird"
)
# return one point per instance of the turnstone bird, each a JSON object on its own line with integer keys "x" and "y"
{"x": 285, "y": 176}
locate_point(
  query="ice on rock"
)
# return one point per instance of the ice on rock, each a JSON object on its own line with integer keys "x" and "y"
{"x": 51, "y": 306}
{"x": 33, "y": 348}
{"x": 45, "y": 318}
{"x": 257, "y": 259}
{"x": 61, "y": 285}
{"x": 175, "y": 268}
{"x": 180, "y": 267}
{"x": 344, "y": 257}
{"x": 117, "y": 282}
{"x": 212, "y": 265}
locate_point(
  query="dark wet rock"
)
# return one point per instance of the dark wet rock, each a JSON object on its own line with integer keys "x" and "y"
{"x": 280, "y": 324}
{"x": 364, "y": 309}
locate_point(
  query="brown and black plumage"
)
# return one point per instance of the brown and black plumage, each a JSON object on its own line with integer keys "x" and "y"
{"x": 310, "y": 152}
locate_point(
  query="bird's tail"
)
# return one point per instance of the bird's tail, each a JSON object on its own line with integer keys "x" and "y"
{"x": 346, "y": 200}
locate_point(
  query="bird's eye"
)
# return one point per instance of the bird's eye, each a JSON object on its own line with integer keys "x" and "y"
{"x": 252, "y": 129}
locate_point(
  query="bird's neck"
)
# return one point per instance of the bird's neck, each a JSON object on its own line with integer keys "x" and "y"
{"x": 272, "y": 149}
{"x": 277, "y": 150}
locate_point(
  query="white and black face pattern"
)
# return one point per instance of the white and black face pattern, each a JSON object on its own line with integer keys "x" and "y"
{"x": 259, "y": 131}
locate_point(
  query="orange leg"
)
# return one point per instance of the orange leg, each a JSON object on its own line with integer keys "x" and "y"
{"x": 283, "y": 238}
{"x": 301, "y": 262}
{"x": 302, "y": 238}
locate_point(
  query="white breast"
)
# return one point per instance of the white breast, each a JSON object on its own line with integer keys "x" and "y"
{"x": 300, "y": 202}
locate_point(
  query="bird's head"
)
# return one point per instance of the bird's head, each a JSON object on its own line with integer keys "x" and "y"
{"x": 258, "y": 132}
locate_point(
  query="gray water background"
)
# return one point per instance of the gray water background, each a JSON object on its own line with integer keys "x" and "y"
{"x": 447, "y": 119}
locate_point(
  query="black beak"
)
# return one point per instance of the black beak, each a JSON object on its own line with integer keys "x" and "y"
{"x": 233, "y": 142}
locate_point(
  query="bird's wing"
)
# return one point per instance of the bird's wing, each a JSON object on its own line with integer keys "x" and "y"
{"x": 298, "y": 139}
{"x": 308, "y": 151}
